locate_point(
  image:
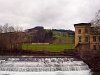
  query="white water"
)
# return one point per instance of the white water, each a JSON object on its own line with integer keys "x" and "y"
{"x": 42, "y": 66}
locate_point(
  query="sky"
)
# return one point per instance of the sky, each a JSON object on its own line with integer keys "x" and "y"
{"x": 56, "y": 14}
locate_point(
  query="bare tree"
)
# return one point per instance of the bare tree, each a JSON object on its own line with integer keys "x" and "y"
{"x": 11, "y": 38}
{"x": 1, "y": 29}
{"x": 5, "y": 28}
{"x": 96, "y": 21}
{"x": 1, "y": 42}
{"x": 11, "y": 29}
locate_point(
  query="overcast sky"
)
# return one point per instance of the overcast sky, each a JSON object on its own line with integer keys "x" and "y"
{"x": 48, "y": 13}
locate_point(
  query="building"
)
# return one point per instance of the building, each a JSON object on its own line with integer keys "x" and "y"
{"x": 87, "y": 36}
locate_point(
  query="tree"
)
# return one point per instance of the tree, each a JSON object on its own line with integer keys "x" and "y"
{"x": 48, "y": 36}
{"x": 39, "y": 36}
{"x": 5, "y": 28}
{"x": 10, "y": 37}
{"x": 1, "y": 41}
{"x": 96, "y": 21}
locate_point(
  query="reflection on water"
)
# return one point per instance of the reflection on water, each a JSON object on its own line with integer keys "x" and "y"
{"x": 42, "y": 66}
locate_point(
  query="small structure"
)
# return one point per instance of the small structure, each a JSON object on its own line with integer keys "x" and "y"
{"x": 87, "y": 37}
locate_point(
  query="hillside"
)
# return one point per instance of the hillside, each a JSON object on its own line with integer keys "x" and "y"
{"x": 54, "y": 36}
{"x": 63, "y": 36}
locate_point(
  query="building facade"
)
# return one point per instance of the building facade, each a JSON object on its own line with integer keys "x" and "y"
{"x": 87, "y": 36}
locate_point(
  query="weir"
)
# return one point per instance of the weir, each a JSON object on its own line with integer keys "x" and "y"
{"x": 42, "y": 65}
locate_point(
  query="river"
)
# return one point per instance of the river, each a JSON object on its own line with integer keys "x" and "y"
{"x": 23, "y": 65}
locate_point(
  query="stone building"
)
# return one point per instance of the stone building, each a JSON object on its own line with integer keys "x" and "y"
{"x": 87, "y": 37}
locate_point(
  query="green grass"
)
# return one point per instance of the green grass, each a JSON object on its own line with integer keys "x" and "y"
{"x": 48, "y": 47}
{"x": 58, "y": 34}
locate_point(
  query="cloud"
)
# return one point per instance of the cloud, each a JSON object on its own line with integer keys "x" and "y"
{"x": 48, "y": 13}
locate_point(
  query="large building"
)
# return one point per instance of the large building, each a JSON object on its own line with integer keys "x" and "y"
{"x": 87, "y": 36}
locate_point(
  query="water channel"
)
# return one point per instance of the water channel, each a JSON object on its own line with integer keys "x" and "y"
{"x": 42, "y": 66}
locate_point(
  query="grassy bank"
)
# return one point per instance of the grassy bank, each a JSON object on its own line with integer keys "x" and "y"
{"x": 48, "y": 47}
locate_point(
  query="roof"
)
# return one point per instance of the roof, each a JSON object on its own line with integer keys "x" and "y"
{"x": 83, "y": 24}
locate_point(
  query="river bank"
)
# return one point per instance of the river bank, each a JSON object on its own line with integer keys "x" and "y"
{"x": 96, "y": 73}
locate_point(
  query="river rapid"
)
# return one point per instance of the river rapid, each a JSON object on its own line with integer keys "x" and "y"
{"x": 30, "y": 65}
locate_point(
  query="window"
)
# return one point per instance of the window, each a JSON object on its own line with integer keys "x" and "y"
{"x": 79, "y": 31}
{"x": 94, "y": 47}
{"x": 79, "y": 38}
{"x": 86, "y": 39}
{"x": 94, "y": 38}
{"x": 99, "y": 47}
{"x": 86, "y": 30}
{"x": 99, "y": 38}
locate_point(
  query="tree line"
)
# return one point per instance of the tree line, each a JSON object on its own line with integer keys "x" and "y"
{"x": 40, "y": 36}
{"x": 11, "y": 38}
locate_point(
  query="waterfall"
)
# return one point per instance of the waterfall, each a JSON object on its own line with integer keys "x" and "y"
{"x": 32, "y": 64}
